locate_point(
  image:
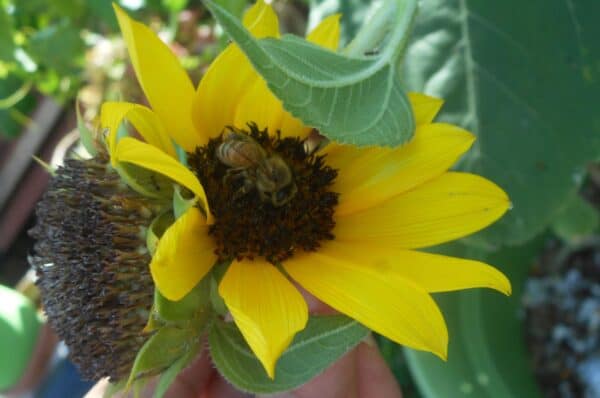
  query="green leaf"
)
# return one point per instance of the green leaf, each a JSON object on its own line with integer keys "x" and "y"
{"x": 528, "y": 92}
{"x": 487, "y": 354}
{"x": 324, "y": 340}
{"x": 351, "y": 100}
{"x": 576, "y": 219}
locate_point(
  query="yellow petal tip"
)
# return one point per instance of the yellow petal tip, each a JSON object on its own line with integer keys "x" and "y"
{"x": 506, "y": 287}
{"x": 270, "y": 371}
{"x": 444, "y": 355}
{"x": 121, "y": 14}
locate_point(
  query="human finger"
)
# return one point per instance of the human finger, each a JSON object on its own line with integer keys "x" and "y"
{"x": 220, "y": 388}
{"x": 375, "y": 379}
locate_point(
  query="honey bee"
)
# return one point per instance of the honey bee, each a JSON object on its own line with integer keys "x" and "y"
{"x": 269, "y": 174}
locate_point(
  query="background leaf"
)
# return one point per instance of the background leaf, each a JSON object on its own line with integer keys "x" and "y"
{"x": 323, "y": 341}
{"x": 578, "y": 218}
{"x": 524, "y": 77}
{"x": 13, "y": 120}
{"x": 58, "y": 46}
{"x": 7, "y": 45}
{"x": 351, "y": 100}
{"x": 353, "y": 14}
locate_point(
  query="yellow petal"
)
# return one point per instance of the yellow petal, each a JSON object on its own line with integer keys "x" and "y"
{"x": 434, "y": 273}
{"x": 184, "y": 255}
{"x": 144, "y": 155}
{"x": 167, "y": 86}
{"x": 424, "y": 107}
{"x": 143, "y": 119}
{"x": 260, "y": 106}
{"x": 292, "y": 126}
{"x": 370, "y": 176}
{"x": 395, "y": 307}
{"x": 229, "y": 77}
{"x": 327, "y": 33}
{"x": 446, "y": 208}
{"x": 261, "y": 20}
{"x": 265, "y": 306}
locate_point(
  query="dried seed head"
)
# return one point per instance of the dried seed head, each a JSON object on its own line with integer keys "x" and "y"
{"x": 92, "y": 266}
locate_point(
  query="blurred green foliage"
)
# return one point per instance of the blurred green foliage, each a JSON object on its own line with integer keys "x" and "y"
{"x": 43, "y": 45}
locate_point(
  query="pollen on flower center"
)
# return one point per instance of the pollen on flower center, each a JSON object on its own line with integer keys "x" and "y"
{"x": 252, "y": 218}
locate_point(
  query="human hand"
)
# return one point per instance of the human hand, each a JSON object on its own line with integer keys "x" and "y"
{"x": 361, "y": 373}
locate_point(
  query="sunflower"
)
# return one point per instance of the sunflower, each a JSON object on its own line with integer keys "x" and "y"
{"x": 346, "y": 232}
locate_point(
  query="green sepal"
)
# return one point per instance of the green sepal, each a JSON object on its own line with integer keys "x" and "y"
{"x": 324, "y": 340}
{"x": 158, "y": 226}
{"x": 177, "y": 328}
{"x": 217, "y": 302}
{"x": 181, "y": 204}
{"x": 161, "y": 350}
{"x": 145, "y": 182}
{"x": 357, "y": 100}
{"x": 193, "y": 308}
{"x": 85, "y": 134}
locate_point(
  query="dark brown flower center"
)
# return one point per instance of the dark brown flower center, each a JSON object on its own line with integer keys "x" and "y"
{"x": 268, "y": 201}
